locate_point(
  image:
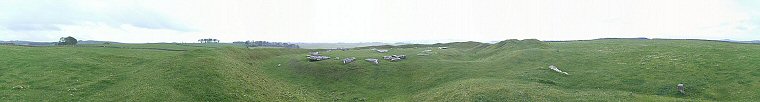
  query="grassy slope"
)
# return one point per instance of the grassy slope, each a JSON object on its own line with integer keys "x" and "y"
{"x": 604, "y": 69}
{"x": 73, "y": 74}
{"x": 112, "y": 74}
{"x": 601, "y": 70}
{"x": 711, "y": 70}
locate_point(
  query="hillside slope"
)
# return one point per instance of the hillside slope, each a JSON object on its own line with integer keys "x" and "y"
{"x": 599, "y": 70}
{"x": 613, "y": 69}
{"x": 113, "y": 74}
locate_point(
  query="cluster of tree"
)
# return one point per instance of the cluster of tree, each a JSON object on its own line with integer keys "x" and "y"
{"x": 67, "y": 41}
{"x": 209, "y": 40}
{"x": 266, "y": 44}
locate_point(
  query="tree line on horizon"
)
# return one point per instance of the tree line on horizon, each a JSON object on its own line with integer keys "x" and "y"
{"x": 209, "y": 40}
{"x": 251, "y": 43}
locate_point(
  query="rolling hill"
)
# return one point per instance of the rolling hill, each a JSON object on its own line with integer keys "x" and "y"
{"x": 517, "y": 70}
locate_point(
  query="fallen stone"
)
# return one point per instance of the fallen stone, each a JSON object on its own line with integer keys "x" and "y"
{"x": 373, "y": 61}
{"x": 681, "y": 88}
{"x": 317, "y": 58}
{"x": 348, "y": 60}
{"x": 557, "y": 69}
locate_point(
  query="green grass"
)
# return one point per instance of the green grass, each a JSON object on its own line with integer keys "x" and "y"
{"x": 169, "y": 46}
{"x": 512, "y": 70}
{"x": 337, "y": 45}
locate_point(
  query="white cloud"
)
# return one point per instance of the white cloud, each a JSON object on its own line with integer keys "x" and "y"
{"x": 46, "y": 15}
{"x": 378, "y": 20}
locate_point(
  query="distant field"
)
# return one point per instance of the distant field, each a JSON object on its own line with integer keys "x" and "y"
{"x": 178, "y": 46}
{"x": 511, "y": 70}
{"x": 337, "y": 45}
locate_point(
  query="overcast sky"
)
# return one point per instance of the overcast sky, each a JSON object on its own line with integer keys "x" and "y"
{"x": 139, "y": 21}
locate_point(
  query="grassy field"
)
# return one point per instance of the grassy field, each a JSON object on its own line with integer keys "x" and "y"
{"x": 511, "y": 70}
{"x": 338, "y": 45}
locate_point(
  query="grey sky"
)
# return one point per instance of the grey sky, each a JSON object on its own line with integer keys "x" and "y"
{"x": 376, "y": 20}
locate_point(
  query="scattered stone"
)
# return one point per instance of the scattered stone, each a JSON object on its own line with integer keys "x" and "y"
{"x": 342, "y": 49}
{"x": 18, "y": 87}
{"x": 317, "y": 58}
{"x": 373, "y": 61}
{"x": 557, "y": 69}
{"x": 394, "y": 58}
{"x": 382, "y": 51}
{"x": 348, "y": 60}
{"x": 387, "y": 57}
{"x": 313, "y": 53}
{"x": 443, "y": 47}
{"x": 681, "y": 89}
{"x": 278, "y": 65}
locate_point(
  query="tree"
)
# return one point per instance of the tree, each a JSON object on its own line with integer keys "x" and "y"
{"x": 209, "y": 40}
{"x": 67, "y": 41}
